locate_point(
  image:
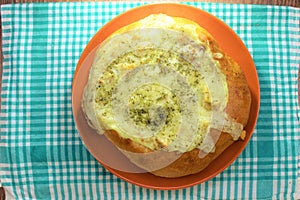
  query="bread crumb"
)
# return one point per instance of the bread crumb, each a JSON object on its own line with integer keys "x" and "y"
{"x": 218, "y": 56}
{"x": 243, "y": 135}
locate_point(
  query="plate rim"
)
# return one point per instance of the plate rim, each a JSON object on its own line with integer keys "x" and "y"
{"x": 105, "y": 31}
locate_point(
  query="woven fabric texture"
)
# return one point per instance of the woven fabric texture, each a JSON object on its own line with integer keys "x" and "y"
{"x": 41, "y": 153}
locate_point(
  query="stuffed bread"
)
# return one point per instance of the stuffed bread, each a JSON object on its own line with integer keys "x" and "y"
{"x": 164, "y": 92}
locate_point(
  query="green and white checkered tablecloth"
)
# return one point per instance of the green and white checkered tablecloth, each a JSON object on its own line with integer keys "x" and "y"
{"x": 41, "y": 153}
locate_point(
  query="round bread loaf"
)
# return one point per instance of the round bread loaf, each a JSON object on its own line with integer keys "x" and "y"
{"x": 166, "y": 95}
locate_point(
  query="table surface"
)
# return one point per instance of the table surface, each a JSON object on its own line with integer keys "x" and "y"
{"x": 294, "y": 3}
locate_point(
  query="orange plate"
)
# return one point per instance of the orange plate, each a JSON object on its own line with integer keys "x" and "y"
{"x": 107, "y": 153}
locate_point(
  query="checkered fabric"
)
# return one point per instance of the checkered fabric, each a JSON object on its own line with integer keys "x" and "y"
{"x": 41, "y": 153}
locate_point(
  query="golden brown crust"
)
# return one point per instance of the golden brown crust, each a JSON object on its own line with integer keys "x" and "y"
{"x": 238, "y": 107}
{"x": 184, "y": 164}
{"x": 191, "y": 163}
{"x": 239, "y": 98}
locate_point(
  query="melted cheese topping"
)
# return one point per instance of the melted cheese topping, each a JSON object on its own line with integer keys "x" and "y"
{"x": 159, "y": 86}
